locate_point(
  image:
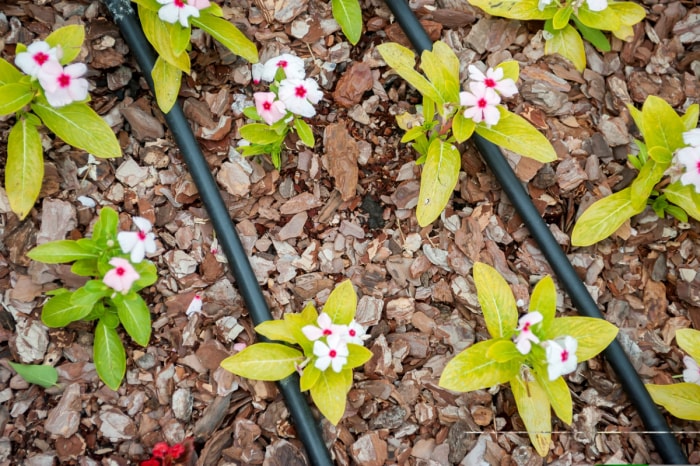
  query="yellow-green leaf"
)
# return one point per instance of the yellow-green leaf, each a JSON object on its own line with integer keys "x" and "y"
{"x": 166, "y": 80}
{"x": 462, "y": 127}
{"x": 109, "y": 355}
{"x": 516, "y": 9}
{"x": 690, "y": 118}
{"x": 593, "y": 335}
{"x": 604, "y": 20}
{"x": 358, "y": 355}
{"x": 603, "y": 218}
{"x": 568, "y": 43}
{"x": 70, "y": 38}
{"x": 329, "y": 394}
{"x": 24, "y": 171}
{"x": 158, "y": 34}
{"x": 59, "y": 311}
{"x": 629, "y": 13}
{"x": 438, "y": 180}
{"x": 341, "y": 304}
{"x": 544, "y": 300}
{"x": 228, "y": 35}
{"x": 309, "y": 377}
{"x": 264, "y": 361}
{"x": 403, "y": 61}
{"x": 680, "y": 399}
{"x": 180, "y": 38}
{"x": 511, "y": 69}
{"x": 496, "y": 300}
{"x": 689, "y": 340}
{"x": 516, "y": 134}
{"x": 441, "y": 66}
{"x": 260, "y": 133}
{"x": 134, "y": 316}
{"x": 305, "y": 133}
{"x": 662, "y": 125}
{"x": 348, "y": 14}
{"x": 472, "y": 369}
{"x": 558, "y": 394}
{"x": 14, "y": 96}
{"x": 650, "y": 174}
{"x": 534, "y": 409}
{"x": 685, "y": 197}
{"x": 276, "y": 330}
{"x": 561, "y": 17}
{"x": 60, "y": 251}
{"x": 8, "y": 73}
{"x": 503, "y": 350}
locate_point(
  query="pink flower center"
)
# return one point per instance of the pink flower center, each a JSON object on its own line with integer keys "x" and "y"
{"x": 179, "y": 3}
{"x": 40, "y": 58}
{"x": 697, "y": 167}
{"x": 352, "y": 332}
{"x": 481, "y": 103}
{"x": 64, "y": 80}
{"x": 282, "y": 64}
{"x": 120, "y": 271}
{"x": 142, "y": 235}
{"x": 526, "y": 327}
{"x": 488, "y": 82}
{"x": 267, "y": 106}
{"x": 564, "y": 356}
{"x": 332, "y": 353}
{"x": 327, "y": 331}
{"x": 300, "y": 91}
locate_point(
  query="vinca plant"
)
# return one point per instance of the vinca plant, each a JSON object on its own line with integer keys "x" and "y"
{"x": 48, "y": 90}
{"x": 589, "y": 18}
{"x": 323, "y": 348}
{"x": 449, "y": 117}
{"x": 115, "y": 262}
{"x": 348, "y": 14}
{"x": 291, "y": 96}
{"x": 532, "y": 352}
{"x": 167, "y": 25}
{"x": 683, "y": 399}
{"x": 669, "y": 173}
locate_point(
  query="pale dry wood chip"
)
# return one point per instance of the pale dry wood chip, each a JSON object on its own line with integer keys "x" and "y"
{"x": 115, "y": 425}
{"x": 64, "y": 418}
{"x": 341, "y": 158}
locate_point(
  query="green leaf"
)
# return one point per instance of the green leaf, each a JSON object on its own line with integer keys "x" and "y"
{"x": 680, "y": 399}
{"x": 561, "y": 17}
{"x": 689, "y": 340}
{"x": 558, "y": 394}
{"x": 259, "y": 133}
{"x": 511, "y": 69}
{"x": 158, "y": 34}
{"x": 462, "y": 127}
{"x": 59, "y": 311}
{"x": 348, "y": 14}
{"x": 166, "y": 80}
{"x": 438, "y": 180}
{"x": 567, "y": 43}
{"x": 636, "y": 115}
{"x": 152, "y": 5}
{"x": 594, "y": 36}
{"x": 690, "y": 118}
{"x": 109, "y": 354}
{"x": 135, "y": 317}
{"x": 8, "y": 73}
{"x": 14, "y": 96}
{"x": 24, "y": 171}
{"x": 661, "y": 155}
{"x": 228, "y": 35}
{"x": 534, "y": 409}
{"x": 593, "y": 335}
{"x": 180, "y": 38}
{"x": 602, "y": 20}
{"x": 38, "y": 374}
{"x": 341, "y": 304}
{"x": 685, "y": 197}
{"x": 105, "y": 229}
{"x": 276, "y": 330}
{"x": 472, "y": 369}
{"x": 515, "y": 9}
{"x": 496, "y": 300}
{"x": 403, "y": 61}
{"x": 309, "y": 377}
{"x": 662, "y": 125}
{"x": 516, "y": 134}
{"x": 70, "y": 38}
{"x": 329, "y": 394}
{"x": 85, "y": 267}
{"x": 629, "y": 13}
{"x": 298, "y": 321}
{"x": 441, "y": 66}
{"x": 304, "y": 132}
{"x": 503, "y": 350}
{"x": 89, "y": 294}
{"x": 148, "y": 275}
{"x": 412, "y": 134}
{"x": 650, "y": 174}
{"x": 264, "y": 361}
{"x": 544, "y": 301}
{"x": 60, "y": 251}
{"x": 79, "y": 125}
{"x": 603, "y": 218}
{"x": 358, "y": 355}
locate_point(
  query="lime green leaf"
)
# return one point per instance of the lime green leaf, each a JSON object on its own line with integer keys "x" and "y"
{"x": 680, "y": 399}
{"x": 59, "y": 311}
{"x": 60, "y": 251}
{"x": 561, "y": 17}
{"x": 650, "y": 174}
{"x": 503, "y": 350}
{"x": 276, "y": 330}
{"x": 24, "y": 171}
{"x": 602, "y": 20}
{"x": 403, "y": 61}
{"x": 690, "y": 118}
{"x": 259, "y": 133}
{"x": 213, "y": 9}
{"x": 462, "y": 127}
{"x": 180, "y": 38}
{"x": 603, "y": 218}
{"x": 105, "y": 229}
{"x": 14, "y": 96}
{"x": 449, "y": 61}
{"x": 567, "y": 43}
{"x": 594, "y": 36}
{"x": 109, "y": 354}
{"x": 298, "y": 321}
{"x": 515, "y": 133}
{"x": 264, "y": 361}
{"x": 70, "y": 38}
{"x": 534, "y": 409}
{"x": 629, "y": 13}
{"x": 152, "y": 5}
{"x": 304, "y": 132}
{"x": 636, "y": 115}
{"x": 89, "y": 294}
{"x": 158, "y": 34}
{"x": 689, "y": 340}
{"x": 472, "y": 369}
{"x": 358, "y": 355}
{"x": 511, "y": 69}
{"x": 685, "y": 197}
{"x": 38, "y": 374}
{"x": 329, "y": 394}
{"x": 441, "y": 66}
{"x": 412, "y": 134}
{"x": 85, "y": 267}
{"x": 148, "y": 275}
{"x": 348, "y": 14}
{"x": 558, "y": 394}
{"x": 228, "y": 35}
{"x": 662, "y": 125}
{"x": 593, "y": 335}
{"x": 135, "y": 317}
{"x": 166, "y": 80}
{"x": 496, "y": 300}
{"x": 341, "y": 304}
{"x": 544, "y": 301}
{"x": 79, "y": 125}
{"x": 8, "y": 73}
{"x": 309, "y": 377}
{"x": 661, "y": 155}
{"x": 515, "y": 9}
{"x": 438, "y": 180}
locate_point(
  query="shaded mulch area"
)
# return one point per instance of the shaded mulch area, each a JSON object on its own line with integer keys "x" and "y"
{"x": 345, "y": 210}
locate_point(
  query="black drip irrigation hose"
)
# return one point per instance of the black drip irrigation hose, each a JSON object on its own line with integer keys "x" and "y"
{"x": 666, "y": 443}
{"x": 308, "y": 429}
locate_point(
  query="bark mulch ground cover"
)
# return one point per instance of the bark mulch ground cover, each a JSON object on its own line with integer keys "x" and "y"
{"x": 344, "y": 210}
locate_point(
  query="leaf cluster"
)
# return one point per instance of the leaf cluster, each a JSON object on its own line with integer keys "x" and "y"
{"x": 95, "y": 301}
{"x": 563, "y": 37}
{"x": 172, "y": 43}
{"x": 662, "y": 129}
{"x": 497, "y": 360}
{"x": 441, "y": 125}
{"x": 77, "y": 124}
{"x": 275, "y": 361}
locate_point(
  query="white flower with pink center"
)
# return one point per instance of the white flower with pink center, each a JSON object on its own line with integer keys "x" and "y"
{"x": 325, "y": 328}
{"x": 561, "y": 356}
{"x": 481, "y": 104}
{"x": 355, "y": 334}
{"x": 174, "y": 11}
{"x": 257, "y": 72}
{"x": 140, "y": 242}
{"x": 524, "y": 339}
{"x": 689, "y": 157}
{"x": 292, "y": 65}
{"x": 37, "y": 55}
{"x": 195, "y": 306}
{"x": 333, "y": 353}
{"x": 269, "y": 109}
{"x": 299, "y": 95}
{"x": 122, "y": 276}
{"x": 597, "y": 5}
{"x": 63, "y": 86}
{"x": 493, "y": 79}
{"x": 691, "y": 374}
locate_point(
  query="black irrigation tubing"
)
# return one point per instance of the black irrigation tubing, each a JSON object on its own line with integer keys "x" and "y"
{"x": 666, "y": 443}
{"x": 308, "y": 429}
